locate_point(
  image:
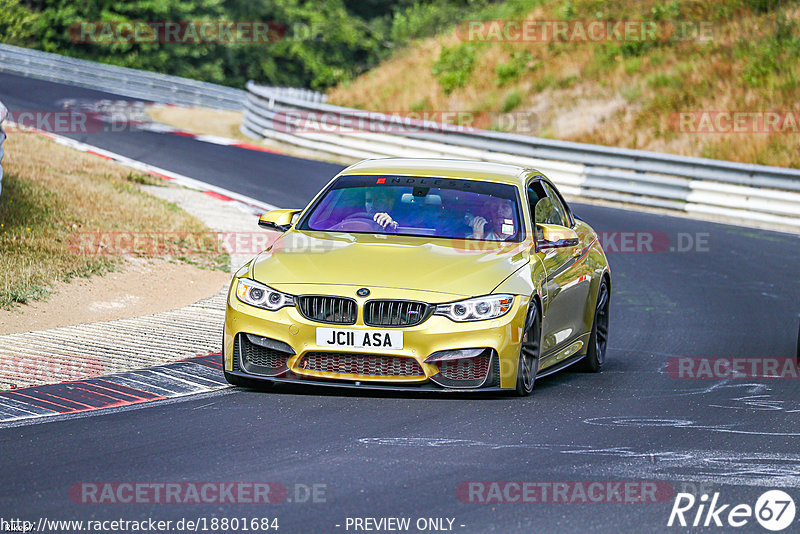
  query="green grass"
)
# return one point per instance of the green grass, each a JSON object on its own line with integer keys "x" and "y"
{"x": 660, "y": 80}
{"x": 513, "y": 100}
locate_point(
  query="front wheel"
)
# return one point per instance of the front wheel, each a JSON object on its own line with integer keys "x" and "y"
{"x": 598, "y": 339}
{"x": 529, "y": 352}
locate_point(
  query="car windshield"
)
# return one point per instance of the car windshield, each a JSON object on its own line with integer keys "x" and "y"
{"x": 418, "y": 206}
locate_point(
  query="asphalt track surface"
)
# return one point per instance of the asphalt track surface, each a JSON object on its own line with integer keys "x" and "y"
{"x": 404, "y": 455}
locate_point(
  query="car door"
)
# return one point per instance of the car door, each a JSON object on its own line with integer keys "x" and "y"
{"x": 566, "y": 284}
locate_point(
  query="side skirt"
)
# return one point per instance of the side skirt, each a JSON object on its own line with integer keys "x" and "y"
{"x": 563, "y": 365}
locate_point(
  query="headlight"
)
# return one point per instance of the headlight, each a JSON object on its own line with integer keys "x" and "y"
{"x": 255, "y": 294}
{"x": 476, "y": 309}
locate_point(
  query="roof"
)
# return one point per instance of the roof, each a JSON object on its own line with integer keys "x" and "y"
{"x": 442, "y": 168}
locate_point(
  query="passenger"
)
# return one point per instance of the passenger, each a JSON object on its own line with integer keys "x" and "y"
{"x": 498, "y": 225}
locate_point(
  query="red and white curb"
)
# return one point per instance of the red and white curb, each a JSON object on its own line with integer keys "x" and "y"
{"x": 198, "y": 374}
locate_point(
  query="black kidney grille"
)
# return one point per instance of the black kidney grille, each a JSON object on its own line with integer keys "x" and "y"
{"x": 327, "y": 309}
{"x": 395, "y": 312}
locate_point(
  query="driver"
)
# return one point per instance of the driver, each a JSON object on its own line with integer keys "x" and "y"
{"x": 377, "y": 204}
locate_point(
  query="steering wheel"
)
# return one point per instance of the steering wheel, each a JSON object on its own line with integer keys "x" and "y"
{"x": 358, "y": 222}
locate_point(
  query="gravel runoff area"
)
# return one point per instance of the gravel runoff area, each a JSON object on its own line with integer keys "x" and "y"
{"x": 99, "y": 348}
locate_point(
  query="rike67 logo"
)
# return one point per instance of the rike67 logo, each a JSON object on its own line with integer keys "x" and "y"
{"x": 774, "y": 510}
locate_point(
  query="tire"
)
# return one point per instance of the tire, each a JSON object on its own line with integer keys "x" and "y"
{"x": 598, "y": 339}
{"x": 528, "y": 361}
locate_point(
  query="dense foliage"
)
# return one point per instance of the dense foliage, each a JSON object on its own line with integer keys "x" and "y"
{"x": 312, "y": 43}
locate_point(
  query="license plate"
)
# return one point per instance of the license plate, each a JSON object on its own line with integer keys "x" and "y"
{"x": 359, "y": 339}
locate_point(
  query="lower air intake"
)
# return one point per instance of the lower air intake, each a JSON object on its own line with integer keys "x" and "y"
{"x": 466, "y": 372}
{"x": 261, "y": 360}
{"x": 377, "y": 365}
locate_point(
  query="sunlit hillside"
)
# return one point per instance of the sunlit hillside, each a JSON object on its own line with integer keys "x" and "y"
{"x": 720, "y": 79}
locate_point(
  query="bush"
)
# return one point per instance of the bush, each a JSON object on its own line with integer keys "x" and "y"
{"x": 16, "y": 22}
{"x": 454, "y": 67}
{"x": 323, "y": 43}
{"x": 769, "y": 56}
{"x": 520, "y": 62}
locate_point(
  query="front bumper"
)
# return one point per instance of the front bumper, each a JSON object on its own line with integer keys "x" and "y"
{"x": 288, "y": 331}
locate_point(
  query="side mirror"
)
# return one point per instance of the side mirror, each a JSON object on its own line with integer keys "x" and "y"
{"x": 555, "y": 236}
{"x": 278, "y": 220}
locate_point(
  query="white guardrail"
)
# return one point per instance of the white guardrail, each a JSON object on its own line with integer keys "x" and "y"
{"x": 132, "y": 83}
{"x": 698, "y": 186}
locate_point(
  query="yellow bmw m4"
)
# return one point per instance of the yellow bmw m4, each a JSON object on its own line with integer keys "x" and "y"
{"x": 421, "y": 274}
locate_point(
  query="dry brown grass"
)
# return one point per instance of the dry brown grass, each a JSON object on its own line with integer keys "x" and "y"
{"x": 587, "y": 92}
{"x": 200, "y": 120}
{"x": 50, "y": 193}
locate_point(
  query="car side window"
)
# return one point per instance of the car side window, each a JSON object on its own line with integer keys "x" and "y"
{"x": 535, "y": 195}
{"x": 567, "y": 210}
{"x": 557, "y": 206}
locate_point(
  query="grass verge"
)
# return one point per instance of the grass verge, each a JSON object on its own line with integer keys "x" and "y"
{"x": 52, "y": 193}
{"x": 201, "y": 120}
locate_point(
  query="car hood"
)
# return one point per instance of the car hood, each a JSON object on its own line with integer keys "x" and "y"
{"x": 449, "y": 266}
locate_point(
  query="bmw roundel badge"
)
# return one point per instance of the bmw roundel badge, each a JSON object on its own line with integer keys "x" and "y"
{"x": 363, "y": 292}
